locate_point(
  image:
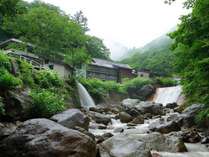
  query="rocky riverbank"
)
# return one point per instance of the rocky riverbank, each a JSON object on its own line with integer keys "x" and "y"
{"x": 133, "y": 128}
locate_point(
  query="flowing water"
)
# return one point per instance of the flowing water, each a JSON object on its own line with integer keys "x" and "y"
{"x": 85, "y": 98}
{"x": 168, "y": 95}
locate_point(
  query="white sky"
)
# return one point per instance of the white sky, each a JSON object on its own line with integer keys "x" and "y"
{"x": 125, "y": 23}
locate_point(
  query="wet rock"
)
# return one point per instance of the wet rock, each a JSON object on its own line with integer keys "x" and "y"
{"x": 42, "y": 137}
{"x": 123, "y": 146}
{"x": 171, "y": 105}
{"x": 18, "y": 105}
{"x": 118, "y": 130}
{"x": 139, "y": 145}
{"x": 189, "y": 114}
{"x": 97, "y": 126}
{"x": 145, "y": 92}
{"x": 138, "y": 120}
{"x": 101, "y": 118}
{"x": 7, "y": 129}
{"x": 104, "y": 137}
{"x": 166, "y": 127}
{"x": 82, "y": 130}
{"x": 125, "y": 117}
{"x": 150, "y": 107}
{"x": 205, "y": 140}
{"x": 72, "y": 118}
{"x": 130, "y": 103}
{"x": 191, "y": 136}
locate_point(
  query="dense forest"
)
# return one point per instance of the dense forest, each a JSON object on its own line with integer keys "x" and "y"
{"x": 155, "y": 56}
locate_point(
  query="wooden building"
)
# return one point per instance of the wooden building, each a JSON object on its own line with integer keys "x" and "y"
{"x": 108, "y": 70}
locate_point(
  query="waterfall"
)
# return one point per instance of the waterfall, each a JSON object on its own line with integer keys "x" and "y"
{"x": 85, "y": 98}
{"x": 168, "y": 95}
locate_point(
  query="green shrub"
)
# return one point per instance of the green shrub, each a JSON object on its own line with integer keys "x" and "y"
{"x": 2, "y": 111}
{"x": 137, "y": 83}
{"x": 46, "y": 103}
{"x": 47, "y": 79}
{"x": 5, "y": 61}
{"x": 7, "y": 80}
{"x": 165, "y": 81}
{"x": 26, "y": 74}
{"x": 203, "y": 114}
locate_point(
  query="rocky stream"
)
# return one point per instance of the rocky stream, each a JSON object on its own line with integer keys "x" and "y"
{"x": 132, "y": 128}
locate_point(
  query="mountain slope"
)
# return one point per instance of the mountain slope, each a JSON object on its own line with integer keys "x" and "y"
{"x": 155, "y": 56}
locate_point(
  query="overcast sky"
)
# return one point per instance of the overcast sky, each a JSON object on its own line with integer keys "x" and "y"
{"x": 125, "y": 23}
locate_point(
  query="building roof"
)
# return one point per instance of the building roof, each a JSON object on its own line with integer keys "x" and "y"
{"x": 6, "y": 42}
{"x": 22, "y": 53}
{"x": 109, "y": 64}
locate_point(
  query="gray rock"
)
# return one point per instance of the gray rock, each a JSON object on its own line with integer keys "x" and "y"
{"x": 139, "y": 145}
{"x": 18, "y": 104}
{"x": 118, "y": 130}
{"x": 125, "y": 117}
{"x": 171, "y": 105}
{"x": 72, "y": 118}
{"x": 189, "y": 114}
{"x": 138, "y": 120}
{"x": 145, "y": 92}
{"x": 130, "y": 103}
{"x": 42, "y": 137}
{"x": 101, "y": 118}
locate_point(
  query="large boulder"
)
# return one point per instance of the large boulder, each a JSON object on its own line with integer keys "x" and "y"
{"x": 124, "y": 146}
{"x": 140, "y": 145}
{"x": 125, "y": 117}
{"x": 7, "y": 129}
{"x": 42, "y": 137}
{"x": 142, "y": 93}
{"x": 100, "y": 118}
{"x": 145, "y": 92}
{"x": 18, "y": 104}
{"x": 150, "y": 107}
{"x": 190, "y": 113}
{"x": 72, "y": 118}
{"x": 130, "y": 103}
{"x": 167, "y": 127}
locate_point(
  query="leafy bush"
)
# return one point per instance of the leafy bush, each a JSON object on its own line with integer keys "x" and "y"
{"x": 46, "y": 103}
{"x": 26, "y": 74}
{"x": 203, "y": 115}
{"x": 47, "y": 79}
{"x": 7, "y": 80}
{"x": 5, "y": 61}
{"x": 137, "y": 83}
{"x": 165, "y": 81}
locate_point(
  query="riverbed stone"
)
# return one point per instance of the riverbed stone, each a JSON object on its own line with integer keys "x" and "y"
{"x": 125, "y": 117}
{"x": 43, "y": 137}
{"x": 72, "y": 118}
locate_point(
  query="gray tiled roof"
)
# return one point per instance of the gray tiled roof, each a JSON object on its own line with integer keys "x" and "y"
{"x": 109, "y": 64}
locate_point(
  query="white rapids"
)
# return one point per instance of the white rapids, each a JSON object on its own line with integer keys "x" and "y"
{"x": 168, "y": 95}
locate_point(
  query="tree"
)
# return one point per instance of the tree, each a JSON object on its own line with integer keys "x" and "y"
{"x": 96, "y": 48}
{"x": 54, "y": 34}
{"x": 81, "y": 20}
{"x": 191, "y": 49}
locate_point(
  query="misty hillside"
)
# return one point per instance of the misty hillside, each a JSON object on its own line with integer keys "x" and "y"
{"x": 155, "y": 56}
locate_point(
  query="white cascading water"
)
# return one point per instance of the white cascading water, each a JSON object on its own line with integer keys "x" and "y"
{"x": 85, "y": 98}
{"x": 168, "y": 95}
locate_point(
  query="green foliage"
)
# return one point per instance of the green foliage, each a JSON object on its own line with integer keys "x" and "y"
{"x": 2, "y": 110}
{"x": 191, "y": 49}
{"x": 192, "y": 53}
{"x": 155, "y": 56}
{"x": 137, "y": 83}
{"x": 5, "y": 61}
{"x": 203, "y": 115}
{"x": 165, "y": 81}
{"x": 7, "y": 80}
{"x": 46, "y": 103}
{"x": 26, "y": 73}
{"x": 47, "y": 79}
{"x": 96, "y": 48}
{"x": 99, "y": 89}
